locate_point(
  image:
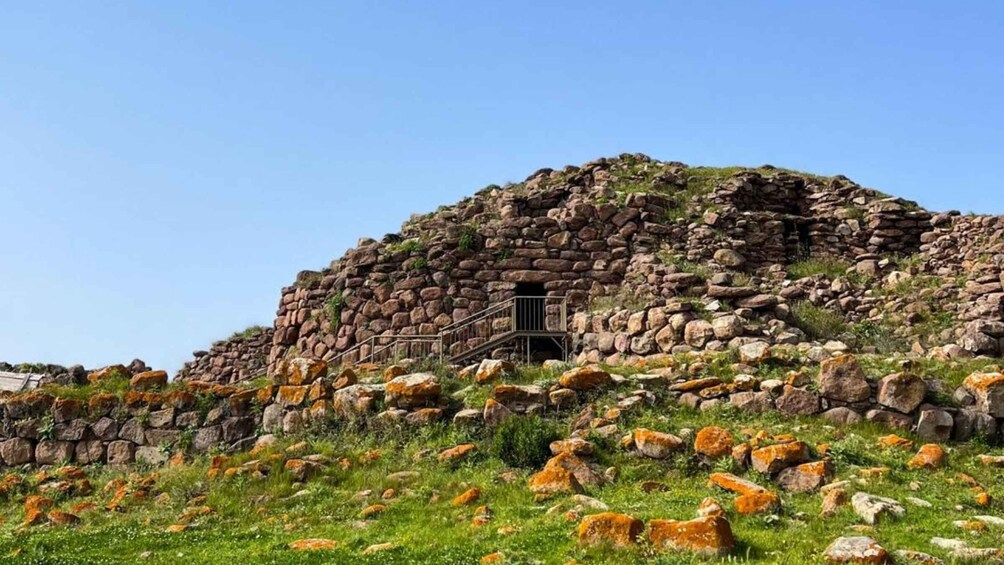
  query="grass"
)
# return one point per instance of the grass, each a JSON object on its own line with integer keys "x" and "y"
{"x": 817, "y": 322}
{"x": 830, "y": 268}
{"x": 248, "y": 333}
{"x": 407, "y": 246}
{"x": 253, "y": 520}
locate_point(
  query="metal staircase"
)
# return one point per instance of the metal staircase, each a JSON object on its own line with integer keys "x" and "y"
{"x": 518, "y": 322}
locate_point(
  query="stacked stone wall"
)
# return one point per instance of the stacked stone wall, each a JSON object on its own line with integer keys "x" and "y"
{"x": 244, "y": 356}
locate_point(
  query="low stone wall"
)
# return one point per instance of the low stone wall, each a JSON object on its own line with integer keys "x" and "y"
{"x": 144, "y": 424}
{"x": 150, "y": 424}
{"x": 244, "y": 356}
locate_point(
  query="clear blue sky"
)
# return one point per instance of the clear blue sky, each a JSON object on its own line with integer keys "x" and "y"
{"x": 166, "y": 167}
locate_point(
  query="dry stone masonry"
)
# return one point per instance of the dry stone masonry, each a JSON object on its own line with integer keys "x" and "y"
{"x": 653, "y": 257}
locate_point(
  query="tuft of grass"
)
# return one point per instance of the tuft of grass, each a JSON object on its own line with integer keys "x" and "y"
{"x": 408, "y": 246}
{"x": 248, "y": 333}
{"x": 830, "y": 267}
{"x": 817, "y": 322}
{"x": 522, "y": 441}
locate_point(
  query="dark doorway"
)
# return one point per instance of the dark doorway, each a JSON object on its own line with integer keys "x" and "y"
{"x": 531, "y": 307}
{"x": 797, "y": 241}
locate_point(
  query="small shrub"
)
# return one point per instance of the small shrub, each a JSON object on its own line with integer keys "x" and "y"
{"x": 334, "y": 307}
{"x": 817, "y": 322}
{"x": 522, "y": 441}
{"x": 468, "y": 237}
{"x": 416, "y": 264}
{"x": 408, "y": 246}
{"x": 869, "y": 333}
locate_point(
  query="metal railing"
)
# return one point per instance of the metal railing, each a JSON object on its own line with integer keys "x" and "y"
{"x": 520, "y": 315}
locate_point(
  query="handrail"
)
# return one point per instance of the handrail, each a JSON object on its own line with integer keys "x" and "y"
{"x": 498, "y": 320}
{"x": 482, "y": 314}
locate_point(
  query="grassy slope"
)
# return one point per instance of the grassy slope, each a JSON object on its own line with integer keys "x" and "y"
{"x": 435, "y": 532}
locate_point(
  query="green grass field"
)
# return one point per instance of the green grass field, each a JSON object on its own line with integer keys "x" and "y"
{"x": 253, "y": 520}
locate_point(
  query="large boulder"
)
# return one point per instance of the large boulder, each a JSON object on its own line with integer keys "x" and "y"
{"x": 871, "y": 507}
{"x": 656, "y": 445}
{"x": 773, "y": 458}
{"x": 901, "y": 391}
{"x": 713, "y": 442}
{"x": 807, "y": 477}
{"x": 519, "y": 397}
{"x": 841, "y": 378}
{"x": 610, "y": 529}
{"x": 300, "y": 371}
{"x": 988, "y": 390}
{"x": 796, "y": 401}
{"x": 148, "y": 380}
{"x": 855, "y": 549}
{"x": 584, "y": 378}
{"x": 413, "y": 391}
{"x": 492, "y": 370}
{"x": 697, "y": 333}
{"x": 935, "y": 424}
{"x": 710, "y": 535}
{"x": 356, "y": 400}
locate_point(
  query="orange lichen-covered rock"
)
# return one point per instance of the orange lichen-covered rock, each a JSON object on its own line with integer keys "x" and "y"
{"x": 710, "y": 535}
{"x": 34, "y": 517}
{"x": 35, "y": 502}
{"x": 372, "y": 510}
{"x": 656, "y": 445}
{"x": 108, "y": 373}
{"x": 988, "y": 388}
{"x": 713, "y": 442}
{"x": 346, "y": 378}
{"x": 554, "y": 480}
{"x": 757, "y": 503}
{"x": 413, "y": 391}
{"x": 806, "y": 477}
{"x": 583, "y": 473}
{"x": 319, "y": 390}
{"x": 774, "y": 458}
{"x": 392, "y": 372}
{"x": 148, "y": 380}
{"x": 584, "y": 378}
{"x": 60, "y": 518}
{"x": 833, "y": 499}
{"x": 482, "y": 516}
{"x": 930, "y": 456}
{"x": 300, "y": 371}
{"x": 191, "y": 513}
{"x": 893, "y": 440}
{"x": 492, "y": 369}
{"x": 609, "y": 528}
{"x": 492, "y": 558}
{"x": 735, "y": 484}
{"x": 458, "y": 452}
{"x": 313, "y": 544}
{"x": 300, "y": 469}
{"x": 101, "y": 404}
{"x": 292, "y": 395}
{"x": 467, "y": 497}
